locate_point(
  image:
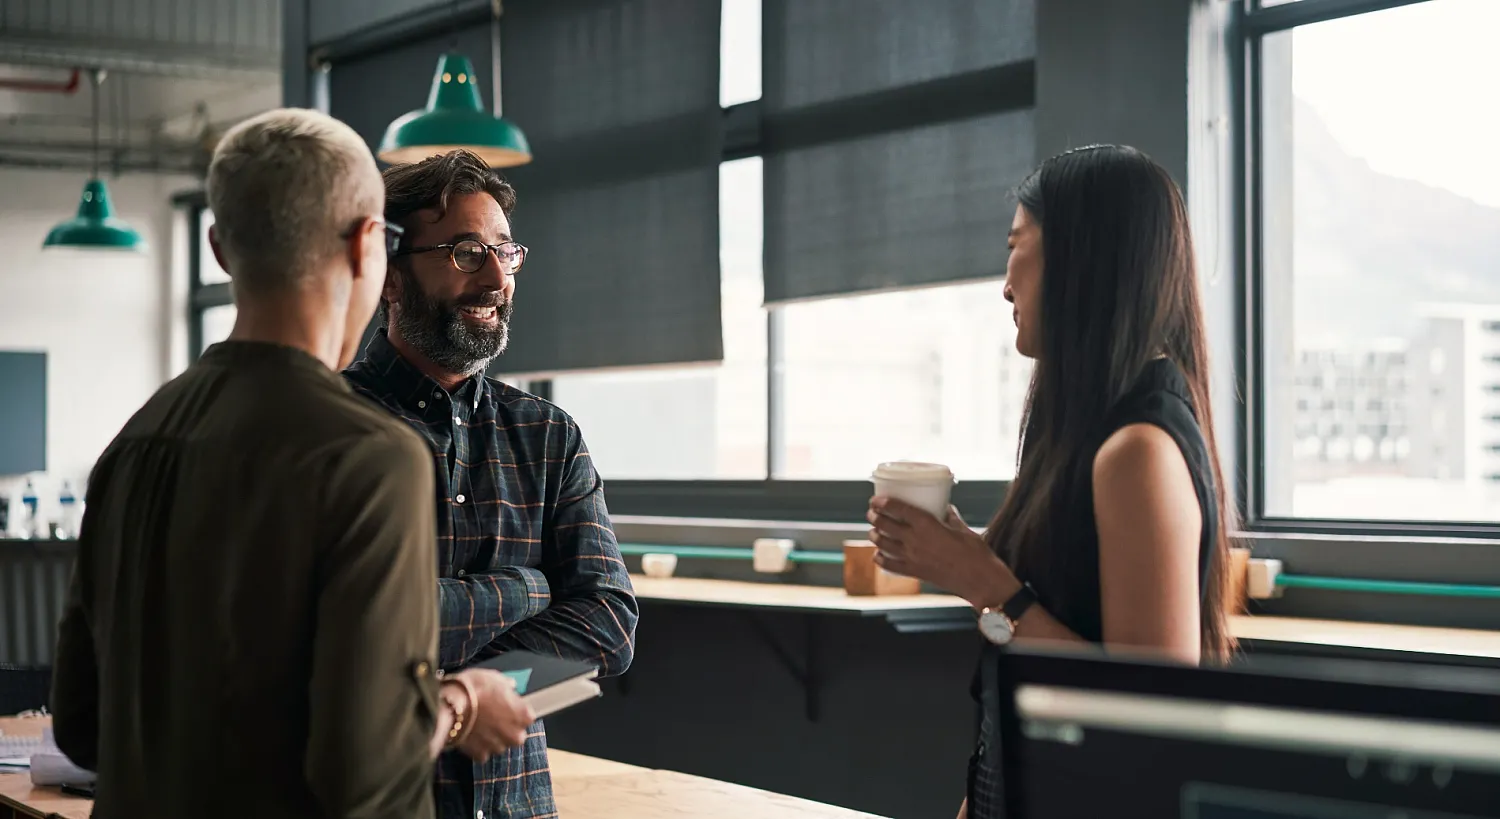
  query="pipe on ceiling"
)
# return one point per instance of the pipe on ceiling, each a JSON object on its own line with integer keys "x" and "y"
{"x": 43, "y": 86}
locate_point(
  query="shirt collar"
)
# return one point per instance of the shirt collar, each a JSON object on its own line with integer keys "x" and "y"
{"x": 409, "y": 384}
{"x": 234, "y": 353}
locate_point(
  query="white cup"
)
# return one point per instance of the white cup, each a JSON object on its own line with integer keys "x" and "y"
{"x": 925, "y": 486}
{"x": 656, "y": 564}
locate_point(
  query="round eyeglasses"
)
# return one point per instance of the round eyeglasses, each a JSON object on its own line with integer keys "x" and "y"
{"x": 469, "y": 255}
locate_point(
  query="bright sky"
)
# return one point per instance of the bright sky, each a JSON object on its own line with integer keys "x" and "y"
{"x": 1414, "y": 90}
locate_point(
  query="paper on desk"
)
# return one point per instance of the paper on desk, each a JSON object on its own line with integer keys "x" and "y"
{"x": 56, "y": 769}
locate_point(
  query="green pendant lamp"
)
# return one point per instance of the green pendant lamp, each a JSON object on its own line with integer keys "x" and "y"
{"x": 95, "y": 227}
{"x": 455, "y": 118}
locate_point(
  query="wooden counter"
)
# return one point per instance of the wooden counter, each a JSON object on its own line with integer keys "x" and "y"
{"x": 947, "y": 612}
{"x": 907, "y": 613}
{"x": 1453, "y": 642}
{"x": 17, "y": 796}
{"x": 586, "y": 788}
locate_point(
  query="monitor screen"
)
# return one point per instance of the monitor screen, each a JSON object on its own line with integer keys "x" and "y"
{"x": 1088, "y": 736}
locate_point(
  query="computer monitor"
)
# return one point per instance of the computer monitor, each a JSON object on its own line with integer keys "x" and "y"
{"x": 1084, "y": 735}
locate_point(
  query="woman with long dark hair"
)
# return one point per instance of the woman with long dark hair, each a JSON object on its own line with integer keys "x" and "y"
{"x": 1114, "y": 531}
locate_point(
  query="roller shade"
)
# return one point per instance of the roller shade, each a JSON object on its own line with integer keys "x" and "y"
{"x": 619, "y": 100}
{"x": 895, "y": 134}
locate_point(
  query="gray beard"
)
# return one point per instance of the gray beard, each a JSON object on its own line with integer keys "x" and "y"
{"x": 438, "y": 332}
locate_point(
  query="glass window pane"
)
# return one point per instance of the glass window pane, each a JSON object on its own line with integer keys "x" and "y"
{"x": 739, "y": 52}
{"x": 209, "y": 271}
{"x": 1381, "y": 298}
{"x": 217, "y": 322}
{"x": 928, "y": 374}
{"x": 691, "y": 423}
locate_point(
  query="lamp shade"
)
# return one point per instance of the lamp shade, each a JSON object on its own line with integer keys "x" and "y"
{"x": 95, "y": 227}
{"x": 454, "y": 118}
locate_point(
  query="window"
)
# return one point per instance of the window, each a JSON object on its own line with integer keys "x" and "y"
{"x": 692, "y": 423}
{"x": 1376, "y": 262}
{"x": 217, "y": 322}
{"x": 209, "y": 271}
{"x": 210, "y": 303}
{"x": 928, "y": 374}
{"x": 739, "y": 52}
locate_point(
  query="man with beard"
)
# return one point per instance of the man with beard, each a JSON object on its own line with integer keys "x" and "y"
{"x": 526, "y": 555}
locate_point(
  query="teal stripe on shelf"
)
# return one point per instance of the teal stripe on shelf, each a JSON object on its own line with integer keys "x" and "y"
{"x": 1289, "y": 581}
{"x": 725, "y": 552}
{"x": 1295, "y": 581}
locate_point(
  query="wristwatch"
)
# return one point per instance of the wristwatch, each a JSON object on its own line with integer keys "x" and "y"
{"x": 998, "y": 625}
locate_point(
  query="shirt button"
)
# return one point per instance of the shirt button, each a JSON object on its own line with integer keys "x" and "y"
{"x": 461, "y": 572}
{"x": 457, "y": 420}
{"x": 478, "y": 814}
{"x": 422, "y": 404}
{"x": 422, "y": 669}
{"x": 460, "y": 499}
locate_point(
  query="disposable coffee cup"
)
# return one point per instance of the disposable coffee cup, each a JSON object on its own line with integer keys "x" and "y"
{"x": 923, "y": 485}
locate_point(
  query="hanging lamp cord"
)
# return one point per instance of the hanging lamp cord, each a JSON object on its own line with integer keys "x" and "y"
{"x": 95, "y": 75}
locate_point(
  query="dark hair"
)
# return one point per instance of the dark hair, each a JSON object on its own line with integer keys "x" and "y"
{"x": 429, "y": 184}
{"x": 1119, "y": 287}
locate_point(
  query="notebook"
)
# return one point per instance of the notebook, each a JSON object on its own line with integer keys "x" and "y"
{"x": 547, "y": 684}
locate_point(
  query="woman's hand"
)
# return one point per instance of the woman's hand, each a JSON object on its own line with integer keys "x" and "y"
{"x": 947, "y": 554}
{"x": 501, "y": 717}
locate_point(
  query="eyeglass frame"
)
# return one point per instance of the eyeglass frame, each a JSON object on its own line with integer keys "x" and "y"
{"x": 393, "y": 233}
{"x": 452, "y": 248}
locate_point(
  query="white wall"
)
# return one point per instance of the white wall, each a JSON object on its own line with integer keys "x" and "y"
{"x": 113, "y": 326}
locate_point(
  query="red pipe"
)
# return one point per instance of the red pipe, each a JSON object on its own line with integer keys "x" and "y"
{"x": 68, "y": 87}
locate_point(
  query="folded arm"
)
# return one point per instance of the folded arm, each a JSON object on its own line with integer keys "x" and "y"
{"x": 593, "y": 612}
{"x": 478, "y": 608}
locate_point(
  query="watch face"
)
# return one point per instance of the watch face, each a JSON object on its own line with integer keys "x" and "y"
{"x": 996, "y": 627}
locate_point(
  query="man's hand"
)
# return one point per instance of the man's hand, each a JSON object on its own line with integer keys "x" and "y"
{"x": 500, "y": 716}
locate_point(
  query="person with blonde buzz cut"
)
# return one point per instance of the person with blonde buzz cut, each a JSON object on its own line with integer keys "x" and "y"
{"x": 251, "y": 627}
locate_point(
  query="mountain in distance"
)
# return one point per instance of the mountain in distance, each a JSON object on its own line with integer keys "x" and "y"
{"x": 1369, "y": 248}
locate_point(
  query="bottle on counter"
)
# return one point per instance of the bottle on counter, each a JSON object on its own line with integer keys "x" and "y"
{"x": 4, "y": 516}
{"x": 68, "y": 516}
{"x": 29, "y": 519}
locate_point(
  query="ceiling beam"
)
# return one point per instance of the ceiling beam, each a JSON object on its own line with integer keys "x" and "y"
{"x": 142, "y": 57}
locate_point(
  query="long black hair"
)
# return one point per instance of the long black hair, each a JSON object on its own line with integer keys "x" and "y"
{"x": 1119, "y": 288}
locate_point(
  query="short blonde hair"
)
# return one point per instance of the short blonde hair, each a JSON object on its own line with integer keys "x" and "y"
{"x": 284, "y": 187}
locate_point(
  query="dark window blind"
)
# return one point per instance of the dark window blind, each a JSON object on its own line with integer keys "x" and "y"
{"x": 895, "y": 132}
{"x": 619, "y": 99}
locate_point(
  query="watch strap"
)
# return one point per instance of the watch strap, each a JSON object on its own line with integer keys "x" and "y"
{"x": 1019, "y": 603}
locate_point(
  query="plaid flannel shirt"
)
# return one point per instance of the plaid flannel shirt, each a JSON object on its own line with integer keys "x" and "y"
{"x": 526, "y": 555}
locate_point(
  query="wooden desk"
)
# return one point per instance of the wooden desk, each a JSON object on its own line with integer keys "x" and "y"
{"x": 586, "y": 787}
{"x": 669, "y": 795}
{"x": 943, "y": 612}
{"x": 18, "y": 798}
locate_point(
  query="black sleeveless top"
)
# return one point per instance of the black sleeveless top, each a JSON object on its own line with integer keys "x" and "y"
{"x": 1067, "y": 583}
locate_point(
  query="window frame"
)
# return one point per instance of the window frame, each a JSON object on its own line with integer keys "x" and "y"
{"x": 1255, "y": 24}
{"x": 201, "y": 297}
{"x": 747, "y": 134}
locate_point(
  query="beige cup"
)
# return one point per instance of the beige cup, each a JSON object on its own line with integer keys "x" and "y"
{"x": 923, "y": 485}
{"x": 657, "y": 564}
